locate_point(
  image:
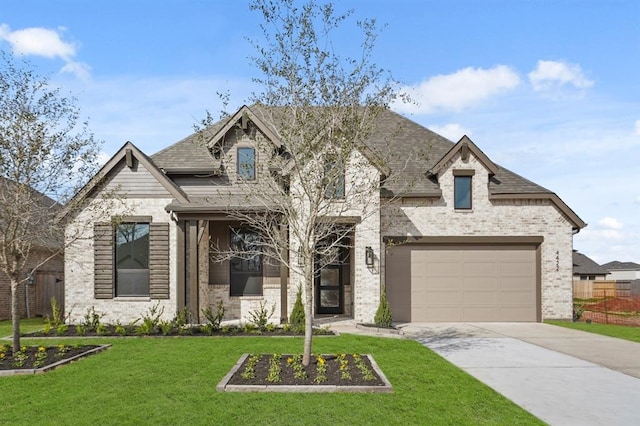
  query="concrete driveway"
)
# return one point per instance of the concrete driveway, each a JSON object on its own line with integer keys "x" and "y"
{"x": 562, "y": 376}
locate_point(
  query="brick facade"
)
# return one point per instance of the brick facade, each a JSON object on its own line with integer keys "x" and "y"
{"x": 437, "y": 217}
{"x": 79, "y": 263}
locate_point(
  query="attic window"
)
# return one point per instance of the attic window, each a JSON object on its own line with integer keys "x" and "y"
{"x": 462, "y": 192}
{"x": 247, "y": 163}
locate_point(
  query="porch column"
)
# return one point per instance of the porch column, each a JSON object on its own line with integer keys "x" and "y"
{"x": 192, "y": 291}
{"x": 180, "y": 266}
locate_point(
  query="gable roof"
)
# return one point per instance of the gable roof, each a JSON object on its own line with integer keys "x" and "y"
{"x": 464, "y": 146}
{"x": 621, "y": 266}
{"x": 583, "y": 265}
{"x": 124, "y": 154}
{"x": 396, "y": 145}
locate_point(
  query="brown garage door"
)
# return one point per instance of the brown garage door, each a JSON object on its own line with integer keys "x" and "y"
{"x": 462, "y": 283}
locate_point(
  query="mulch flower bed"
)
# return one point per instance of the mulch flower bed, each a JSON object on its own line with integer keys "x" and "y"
{"x": 196, "y": 330}
{"x": 41, "y": 357}
{"x": 273, "y": 371}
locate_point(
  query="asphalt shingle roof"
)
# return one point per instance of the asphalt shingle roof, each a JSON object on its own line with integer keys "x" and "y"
{"x": 583, "y": 265}
{"x": 624, "y": 266}
{"x": 406, "y": 147}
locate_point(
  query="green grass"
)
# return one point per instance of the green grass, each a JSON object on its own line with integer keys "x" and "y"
{"x": 26, "y": 326}
{"x": 619, "y": 331}
{"x": 173, "y": 380}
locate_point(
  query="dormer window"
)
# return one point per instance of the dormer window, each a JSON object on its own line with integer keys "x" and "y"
{"x": 247, "y": 163}
{"x": 462, "y": 189}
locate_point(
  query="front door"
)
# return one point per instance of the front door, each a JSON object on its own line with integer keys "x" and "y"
{"x": 329, "y": 291}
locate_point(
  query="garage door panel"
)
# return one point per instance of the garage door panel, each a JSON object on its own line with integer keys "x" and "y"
{"x": 470, "y": 283}
{"x": 517, "y": 284}
{"x": 515, "y": 299}
{"x": 481, "y": 298}
{"x": 487, "y": 269}
{"x": 437, "y": 298}
{"x": 517, "y": 269}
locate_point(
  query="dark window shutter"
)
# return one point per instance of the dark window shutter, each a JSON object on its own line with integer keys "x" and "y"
{"x": 159, "y": 260}
{"x": 103, "y": 260}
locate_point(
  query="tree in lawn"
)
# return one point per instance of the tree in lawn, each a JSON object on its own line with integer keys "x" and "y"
{"x": 321, "y": 108}
{"x": 45, "y": 155}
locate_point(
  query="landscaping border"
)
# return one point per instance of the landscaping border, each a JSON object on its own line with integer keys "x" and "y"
{"x": 223, "y": 386}
{"x": 26, "y": 371}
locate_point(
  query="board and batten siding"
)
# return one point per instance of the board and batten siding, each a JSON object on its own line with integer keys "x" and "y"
{"x": 104, "y": 273}
{"x": 136, "y": 182}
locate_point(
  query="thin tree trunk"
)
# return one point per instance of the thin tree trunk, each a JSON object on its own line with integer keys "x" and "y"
{"x": 15, "y": 316}
{"x": 308, "y": 311}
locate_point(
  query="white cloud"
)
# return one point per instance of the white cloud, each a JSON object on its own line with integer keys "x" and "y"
{"x": 460, "y": 90}
{"x": 46, "y": 43}
{"x": 638, "y": 127}
{"x": 610, "y": 223}
{"x": 550, "y": 75}
{"x": 452, "y": 131}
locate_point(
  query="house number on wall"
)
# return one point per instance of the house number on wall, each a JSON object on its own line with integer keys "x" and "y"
{"x": 557, "y": 260}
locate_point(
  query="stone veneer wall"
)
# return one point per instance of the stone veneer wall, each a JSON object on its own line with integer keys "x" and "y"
{"x": 79, "y": 296}
{"x": 437, "y": 217}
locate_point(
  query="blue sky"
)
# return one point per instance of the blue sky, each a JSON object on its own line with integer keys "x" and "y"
{"x": 548, "y": 89}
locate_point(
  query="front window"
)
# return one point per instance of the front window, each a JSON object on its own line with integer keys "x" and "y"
{"x": 132, "y": 259}
{"x": 462, "y": 192}
{"x": 246, "y": 264}
{"x": 247, "y": 163}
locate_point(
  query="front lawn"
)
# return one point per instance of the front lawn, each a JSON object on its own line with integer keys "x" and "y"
{"x": 619, "y": 331}
{"x": 173, "y": 380}
{"x": 26, "y": 326}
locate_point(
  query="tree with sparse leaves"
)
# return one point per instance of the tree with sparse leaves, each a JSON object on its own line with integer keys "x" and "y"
{"x": 46, "y": 154}
{"x": 321, "y": 107}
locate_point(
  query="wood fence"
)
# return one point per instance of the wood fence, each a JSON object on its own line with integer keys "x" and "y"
{"x": 48, "y": 285}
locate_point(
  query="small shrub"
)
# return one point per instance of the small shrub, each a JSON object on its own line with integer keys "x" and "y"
{"x": 578, "y": 310}
{"x": 101, "y": 330}
{"x": 206, "y": 329}
{"x": 81, "y": 330}
{"x": 183, "y": 317}
{"x": 297, "y": 319}
{"x": 383, "y": 317}
{"x": 57, "y": 317}
{"x": 120, "y": 329}
{"x": 151, "y": 320}
{"x": 214, "y": 318}
{"x": 166, "y": 327}
{"x": 261, "y": 316}
{"x": 250, "y": 327}
{"x": 61, "y": 329}
{"x": 92, "y": 319}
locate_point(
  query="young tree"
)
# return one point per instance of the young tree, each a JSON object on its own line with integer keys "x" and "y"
{"x": 321, "y": 108}
{"x": 46, "y": 153}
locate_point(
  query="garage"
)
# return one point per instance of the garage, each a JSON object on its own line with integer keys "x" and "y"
{"x": 463, "y": 282}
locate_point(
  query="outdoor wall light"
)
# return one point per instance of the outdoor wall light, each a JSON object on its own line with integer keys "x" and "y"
{"x": 368, "y": 256}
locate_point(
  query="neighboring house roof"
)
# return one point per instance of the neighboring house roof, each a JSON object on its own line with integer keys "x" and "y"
{"x": 621, "y": 266}
{"x": 42, "y": 205}
{"x": 583, "y": 265}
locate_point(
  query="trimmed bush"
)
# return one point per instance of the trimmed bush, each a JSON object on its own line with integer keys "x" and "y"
{"x": 383, "y": 317}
